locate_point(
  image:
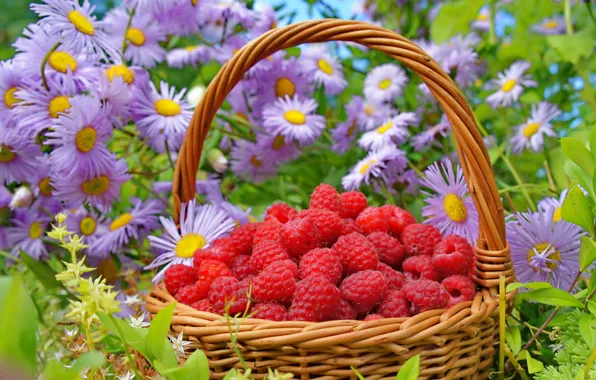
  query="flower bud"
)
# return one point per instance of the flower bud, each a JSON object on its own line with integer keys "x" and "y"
{"x": 195, "y": 95}
{"x": 217, "y": 160}
{"x": 23, "y": 197}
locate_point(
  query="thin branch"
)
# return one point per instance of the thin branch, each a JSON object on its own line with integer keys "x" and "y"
{"x": 43, "y": 64}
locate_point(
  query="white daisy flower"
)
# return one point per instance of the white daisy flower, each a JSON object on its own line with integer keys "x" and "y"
{"x": 393, "y": 131}
{"x": 323, "y": 68}
{"x": 371, "y": 166}
{"x": 510, "y": 85}
{"x": 530, "y": 135}
{"x": 385, "y": 82}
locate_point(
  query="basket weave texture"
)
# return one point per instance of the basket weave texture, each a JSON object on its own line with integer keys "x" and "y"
{"x": 455, "y": 343}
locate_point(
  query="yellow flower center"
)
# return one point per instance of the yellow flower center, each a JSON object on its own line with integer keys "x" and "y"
{"x": 61, "y": 61}
{"x": 189, "y": 244}
{"x": 9, "y": 99}
{"x": 256, "y": 162}
{"x": 557, "y": 215}
{"x": 482, "y": 17}
{"x": 81, "y": 22}
{"x": 121, "y": 221}
{"x": 384, "y": 128}
{"x": 367, "y": 165}
{"x": 385, "y": 84}
{"x": 122, "y": 71}
{"x": 369, "y": 110}
{"x": 530, "y": 129}
{"x": 284, "y": 87}
{"x": 325, "y": 67}
{"x": 551, "y": 24}
{"x": 135, "y": 36}
{"x": 59, "y": 104}
{"x": 194, "y": 2}
{"x": 454, "y": 208}
{"x": 541, "y": 247}
{"x": 85, "y": 139}
{"x": 45, "y": 188}
{"x": 278, "y": 142}
{"x": 167, "y": 107}
{"x": 508, "y": 85}
{"x": 273, "y": 25}
{"x": 6, "y": 153}
{"x": 97, "y": 185}
{"x": 295, "y": 117}
{"x": 35, "y": 230}
{"x": 87, "y": 225}
{"x": 352, "y": 128}
{"x": 190, "y": 48}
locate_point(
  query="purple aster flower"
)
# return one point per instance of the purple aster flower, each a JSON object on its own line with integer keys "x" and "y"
{"x": 230, "y": 11}
{"x": 482, "y": 21}
{"x": 178, "y": 17}
{"x": 294, "y": 118}
{"x": 530, "y": 135}
{"x": 27, "y": 232}
{"x": 18, "y": 156}
{"x": 11, "y": 79}
{"x": 463, "y": 64}
{"x": 231, "y": 45}
{"x": 100, "y": 190}
{"x": 89, "y": 225}
{"x": 79, "y": 138}
{"x": 510, "y": 85}
{"x": 133, "y": 76}
{"x": 369, "y": 114}
{"x": 249, "y": 162}
{"x": 324, "y": 69}
{"x": 266, "y": 20}
{"x": 200, "y": 225}
{"x": 343, "y": 135}
{"x": 449, "y": 206}
{"x": 188, "y": 56}
{"x": 542, "y": 250}
{"x": 550, "y": 26}
{"x": 117, "y": 95}
{"x": 393, "y": 131}
{"x": 277, "y": 148}
{"x": 402, "y": 180}
{"x": 385, "y": 83}
{"x": 553, "y": 203}
{"x": 429, "y": 137}
{"x": 372, "y": 166}
{"x": 75, "y": 25}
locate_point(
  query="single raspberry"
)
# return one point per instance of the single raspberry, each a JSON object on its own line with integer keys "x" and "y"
{"x": 270, "y": 229}
{"x": 394, "y": 305}
{"x": 372, "y": 219}
{"x": 246, "y": 283}
{"x": 425, "y": 295}
{"x": 373, "y": 317}
{"x": 271, "y": 311}
{"x": 453, "y": 255}
{"x": 350, "y": 226}
{"x": 266, "y": 252}
{"x": 395, "y": 279}
{"x": 276, "y": 283}
{"x": 398, "y": 219}
{"x": 280, "y": 211}
{"x": 240, "y": 267}
{"x": 353, "y": 202}
{"x": 179, "y": 275}
{"x": 356, "y": 253}
{"x": 323, "y": 262}
{"x": 328, "y": 223}
{"x": 227, "y": 291}
{"x": 344, "y": 311}
{"x": 315, "y": 299}
{"x": 221, "y": 250}
{"x": 282, "y": 265}
{"x": 241, "y": 238}
{"x": 203, "y": 305}
{"x": 388, "y": 248}
{"x": 188, "y": 295}
{"x": 460, "y": 289}
{"x": 300, "y": 236}
{"x": 326, "y": 197}
{"x": 364, "y": 289}
{"x": 420, "y": 239}
{"x": 417, "y": 267}
{"x": 208, "y": 271}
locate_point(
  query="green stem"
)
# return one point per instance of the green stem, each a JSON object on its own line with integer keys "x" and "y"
{"x": 126, "y": 349}
{"x": 568, "y": 23}
{"x": 168, "y": 153}
{"x": 516, "y": 364}
{"x": 11, "y": 257}
{"x": 43, "y": 64}
{"x": 519, "y": 181}
{"x": 386, "y": 191}
{"x": 589, "y": 363}
{"x": 587, "y": 3}
{"x": 492, "y": 35}
{"x": 89, "y": 337}
{"x": 124, "y": 42}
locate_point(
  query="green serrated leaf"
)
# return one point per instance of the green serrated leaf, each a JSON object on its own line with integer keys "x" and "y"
{"x": 513, "y": 339}
{"x": 578, "y": 153}
{"x": 587, "y": 328}
{"x": 410, "y": 370}
{"x": 577, "y": 209}
{"x": 42, "y": 271}
{"x": 553, "y": 297}
{"x": 443, "y": 27}
{"x": 529, "y": 285}
{"x": 587, "y": 252}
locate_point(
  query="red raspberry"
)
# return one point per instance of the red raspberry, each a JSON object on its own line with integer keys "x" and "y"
{"x": 373, "y": 317}
{"x": 372, "y": 219}
{"x": 241, "y": 238}
{"x": 356, "y": 253}
{"x": 328, "y": 223}
{"x": 344, "y": 311}
{"x": 425, "y": 295}
{"x": 353, "y": 202}
{"x": 220, "y": 250}
{"x": 179, "y": 275}
{"x": 323, "y": 262}
{"x": 240, "y": 267}
{"x": 460, "y": 289}
{"x": 395, "y": 279}
{"x": 394, "y": 305}
{"x": 246, "y": 283}
{"x": 417, "y": 267}
{"x": 188, "y": 295}
{"x": 453, "y": 255}
{"x": 227, "y": 291}
{"x": 315, "y": 300}
{"x": 325, "y": 197}
{"x": 398, "y": 219}
{"x": 300, "y": 236}
{"x": 350, "y": 226}
{"x": 203, "y": 305}
{"x": 388, "y": 248}
{"x": 420, "y": 239}
{"x": 270, "y": 311}
{"x": 208, "y": 271}
{"x": 364, "y": 289}
{"x": 276, "y": 283}
{"x": 266, "y": 252}
{"x": 268, "y": 230}
{"x": 280, "y": 211}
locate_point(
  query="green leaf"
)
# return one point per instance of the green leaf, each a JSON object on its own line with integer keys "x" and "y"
{"x": 197, "y": 366}
{"x": 42, "y": 271}
{"x": 587, "y": 252}
{"x": 513, "y": 339}
{"x": 444, "y": 25}
{"x": 233, "y": 374}
{"x": 587, "y": 328}
{"x": 553, "y": 297}
{"x": 410, "y": 370}
{"x": 593, "y": 142}
{"x": 158, "y": 346}
{"x": 56, "y": 371}
{"x": 592, "y": 285}
{"x": 534, "y": 365}
{"x": 573, "y": 171}
{"x": 529, "y": 285}
{"x": 577, "y": 209}
{"x": 88, "y": 360}
{"x": 573, "y": 48}
{"x": 592, "y": 307}
{"x": 578, "y": 153}
{"x": 134, "y": 337}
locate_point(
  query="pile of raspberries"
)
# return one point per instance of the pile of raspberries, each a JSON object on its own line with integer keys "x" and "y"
{"x": 338, "y": 260}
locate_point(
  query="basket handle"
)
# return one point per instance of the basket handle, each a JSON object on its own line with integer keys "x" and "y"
{"x": 471, "y": 150}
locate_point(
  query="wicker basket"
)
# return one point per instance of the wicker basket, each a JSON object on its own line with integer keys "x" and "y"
{"x": 454, "y": 343}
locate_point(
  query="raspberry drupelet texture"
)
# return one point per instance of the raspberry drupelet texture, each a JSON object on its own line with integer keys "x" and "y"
{"x": 203, "y": 305}
{"x": 188, "y": 295}
{"x": 388, "y": 248}
{"x": 344, "y": 311}
{"x": 241, "y": 238}
{"x": 425, "y": 295}
{"x": 353, "y": 202}
{"x": 323, "y": 262}
{"x": 240, "y": 267}
{"x": 373, "y": 317}
{"x": 328, "y": 223}
{"x": 271, "y": 311}
{"x": 276, "y": 283}
{"x": 300, "y": 236}
{"x": 397, "y": 218}
{"x": 208, "y": 271}
{"x": 372, "y": 219}
{"x": 270, "y": 229}
{"x": 315, "y": 300}
{"x": 350, "y": 226}
{"x": 221, "y": 250}
{"x": 417, "y": 267}
{"x": 394, "y": 305}
{"x": 364, "y": 290}
{"x": 325, "y": 197}
{"x": 460, "y": 289}
{"x": 266, "y": 252}
{"x": 453, "y": 255}
{"x": 395, "y": 279}
{"x": 280, "y": 211}
{"x": 179, "y": 275}
{"x": 420, "y": 239}
{"x": 356, "y": 253}
{"x": 227, "y": 292}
